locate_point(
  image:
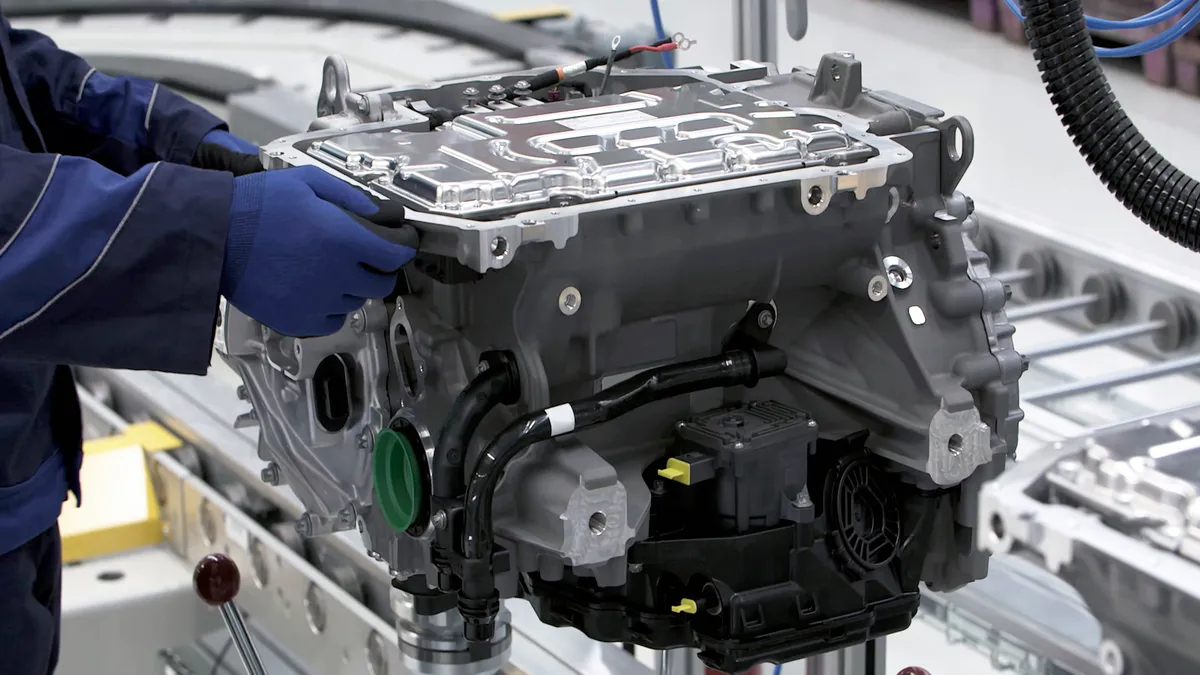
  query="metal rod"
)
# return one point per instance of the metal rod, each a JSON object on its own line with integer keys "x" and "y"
{"x": 241, "y": 639}
{"x": 755, "y": 25}
{"x": 1045, "y": 307}
{"x": 1099, "y": 338}
{"x": 93, "y": 405}
{"x": 1110, "y": 381}
{"x": 1009, "y": 276}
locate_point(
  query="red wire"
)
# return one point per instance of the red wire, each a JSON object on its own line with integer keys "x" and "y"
{"x": 669, "y": 47}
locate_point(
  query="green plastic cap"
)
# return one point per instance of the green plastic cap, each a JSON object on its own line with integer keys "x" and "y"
{"x": 397, "y": 480}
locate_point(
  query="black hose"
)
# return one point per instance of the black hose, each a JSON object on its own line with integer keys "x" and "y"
{"x": 498, "y": 384}
{"x": 1153, "y": 189}
{"x": 478, "y": 601}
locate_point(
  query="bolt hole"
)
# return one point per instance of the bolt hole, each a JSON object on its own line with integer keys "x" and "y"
{"x": 897, "y": 275}
{"x": 955, "y": 445}
{"x": 836, "y": 73}
{"x": 571, "y": 301}
{"x": 998, "y": 528}
{"x": 955, "y": 149}
{"x": 499, "y": 247}
{"x": 111, "y": 575}
{"x": 816, "y": 195}
{"x": 598, "y": 522}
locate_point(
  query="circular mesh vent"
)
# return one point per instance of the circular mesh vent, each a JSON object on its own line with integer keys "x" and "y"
{"x": 863, "y": 515}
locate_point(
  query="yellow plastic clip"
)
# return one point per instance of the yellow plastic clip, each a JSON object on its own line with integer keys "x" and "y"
{"x": 678, "y": 471}
{"x": 685, "y": 606}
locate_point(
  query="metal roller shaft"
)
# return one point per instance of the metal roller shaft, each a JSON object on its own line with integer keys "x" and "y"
{"x": 1049, "y": 307}
{"x": 1097, "y": 339}
{"x": 1081, "y": 387}
{"x": 1012, "y": 276}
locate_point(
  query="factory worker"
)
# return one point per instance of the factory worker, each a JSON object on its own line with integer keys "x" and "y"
{"x": 121, "y": 223}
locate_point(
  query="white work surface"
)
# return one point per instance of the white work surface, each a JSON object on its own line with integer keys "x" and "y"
{"x": 119, "y": 612}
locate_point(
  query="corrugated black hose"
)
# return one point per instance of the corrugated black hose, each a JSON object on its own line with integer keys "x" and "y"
{"x": 1156, "y": 191}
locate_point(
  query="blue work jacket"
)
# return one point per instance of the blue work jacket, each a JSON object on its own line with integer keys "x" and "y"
{"x": 111, "y": 251}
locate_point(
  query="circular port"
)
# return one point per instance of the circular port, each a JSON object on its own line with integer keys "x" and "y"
{"x": 598, "y": 523}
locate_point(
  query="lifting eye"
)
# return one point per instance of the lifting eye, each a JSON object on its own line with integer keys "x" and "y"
{"x": 331, "y": 393}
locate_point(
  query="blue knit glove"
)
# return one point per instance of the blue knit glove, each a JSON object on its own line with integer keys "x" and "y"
{"x": 295, "y": 261}
{"x": 230, "y": 142}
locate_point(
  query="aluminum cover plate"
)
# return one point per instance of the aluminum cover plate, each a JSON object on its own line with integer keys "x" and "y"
{"x": 589, "y": 149}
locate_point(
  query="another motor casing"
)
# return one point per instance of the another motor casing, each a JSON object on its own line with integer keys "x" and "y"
{"x": 596, "y": 236}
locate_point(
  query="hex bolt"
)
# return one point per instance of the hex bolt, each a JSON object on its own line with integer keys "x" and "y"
{"x": 497, "y": 92}
{"x": 766, "y": 318}
{"x": 363, "y": 105}
{"x": 439, "y": 520}
{"x": 347, "y": 517}
{"x": 243, "y": 393}
{"x": 271, "y": 475}
{"x": 364, "y": 438}
{"x": 304, "y": 526}
{"x": 358, "y": 321}
{"x": 569, "y": 300}
{"x": 877, "y": 288}
{"x": 522, "y": 88}
{"x": 470, "y": 93}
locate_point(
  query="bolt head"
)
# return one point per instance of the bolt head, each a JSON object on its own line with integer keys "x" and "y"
{"x": 496, "y": 88}
{"x": 766, "y": 319}
{"x": 439, "y": 520}
{"x": 470, "y": 91}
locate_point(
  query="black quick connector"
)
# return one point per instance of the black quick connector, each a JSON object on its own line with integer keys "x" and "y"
{"x": 477, "y": 598}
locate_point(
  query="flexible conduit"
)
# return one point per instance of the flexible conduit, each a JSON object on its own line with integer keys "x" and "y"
{"x": 1153, "y": 189}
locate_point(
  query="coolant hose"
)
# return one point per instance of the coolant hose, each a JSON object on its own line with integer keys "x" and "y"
{"x": 499, "y": 383}
{"x": 478, "y": 600}
{"x": 1153, "y": 189}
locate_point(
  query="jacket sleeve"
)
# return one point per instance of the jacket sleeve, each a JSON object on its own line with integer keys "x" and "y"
{"x": 103, "y": 270}
{"x": 123, "y": 123}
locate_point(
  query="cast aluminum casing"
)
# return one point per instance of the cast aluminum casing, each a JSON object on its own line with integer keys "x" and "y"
{"x": 601, "y": 236}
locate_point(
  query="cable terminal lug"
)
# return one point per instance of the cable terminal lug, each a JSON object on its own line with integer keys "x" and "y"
{"x": 682, "y": 42}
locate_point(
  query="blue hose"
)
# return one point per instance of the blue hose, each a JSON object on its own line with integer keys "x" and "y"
{"x": 667, "y": 57}
{"x": 1159, "y": 16}
{"x": 778, "y": 669}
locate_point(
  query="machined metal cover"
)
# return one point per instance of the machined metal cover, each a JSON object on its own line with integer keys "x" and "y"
{"x": 524, "y": 171}
{"x": 590, "y": 149}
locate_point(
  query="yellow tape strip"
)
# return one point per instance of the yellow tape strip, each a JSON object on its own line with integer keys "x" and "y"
{"x": 116, "y": 515}
{"x": 536, "y": 14}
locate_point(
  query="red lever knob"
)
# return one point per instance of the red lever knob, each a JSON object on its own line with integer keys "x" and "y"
{"x": 913, "y": 670}
{"x": 217, "y": 579}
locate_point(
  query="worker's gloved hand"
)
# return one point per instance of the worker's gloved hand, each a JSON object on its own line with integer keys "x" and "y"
{"x": 220, "y": 150}
{"x": 296, "y": 261}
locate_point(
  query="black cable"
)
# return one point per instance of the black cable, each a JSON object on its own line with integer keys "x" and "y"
{"x": 1152, "y": 188}
{"x": 550, "y": 78}
{"x": 478, "y": 600}
{"x": 612, "y": 58}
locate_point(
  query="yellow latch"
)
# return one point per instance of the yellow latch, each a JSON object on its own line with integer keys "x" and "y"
{"x": 678, "y": 471}
{"x": 685, "y": 606}
{"x": 120, "y": 510}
